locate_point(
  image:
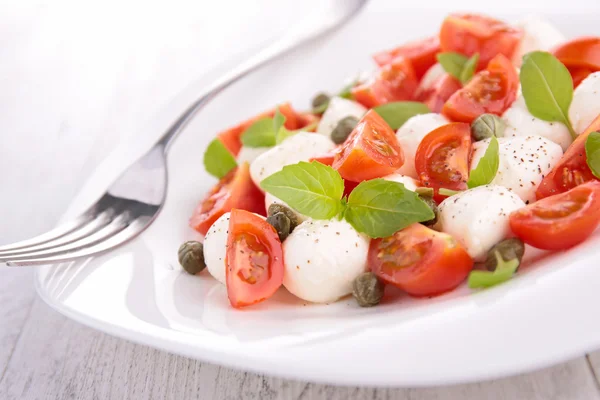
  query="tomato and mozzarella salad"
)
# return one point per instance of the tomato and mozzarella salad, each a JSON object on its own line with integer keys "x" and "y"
{"x": 438, "y": 168}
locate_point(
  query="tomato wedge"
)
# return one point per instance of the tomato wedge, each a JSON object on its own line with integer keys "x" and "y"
{"x": 254, "y": 261}
{"x": 308, "y": 120}
{"x": 420, "y": 53}
{"x": 492, "y": 90}
{"x": 235, "y": 190}
{"x": 420, "y": 261}
{"x": 371, "y": 151}
{"x": 560, "y": 221}
{"x": 394, "y": 82}
{"x": 469, "y": 34}
{"x": 231, "y": 137}
{"x": 441, "y": 90}
{"x": 578, "y": 74}
{"x": 442, "y": 158}
{"x": 581, "y": 52}
{"x": 572, "y": 169}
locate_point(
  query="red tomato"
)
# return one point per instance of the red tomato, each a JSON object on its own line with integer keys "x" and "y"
{"x": 469, "y": 34}
{"x": 490, "y": 91}
{"x": 394, "y": 82}
{"x": 442, "y": 158}
{"x": 420, "y": 261}
{"x": 581, "y": 52}
{"x": 572, "y": 169}
{"x": 254, "y": 261}
{"x": 420, "y": 53}
{"x": 436, "y": 96}
{"x": 308, "y": 119}
{"x": 560, "y": 221}
{"x": 231, "y": 137}
{"x": 371, "y": 151}
{"x": 327, "y": 159}
{"x": 235, "y": 190}
{"x": 579, "y": 74}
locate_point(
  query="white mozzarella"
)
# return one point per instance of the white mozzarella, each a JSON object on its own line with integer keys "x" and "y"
{"x": 300, "y": 147}
{"x": 322, "y": 258}
{"x": 215, "y": 247}
{"x": 478, "y": 218}
{"x": 524, "y": 161}
{"x": 337, "y": 110}
{"x": 410, "y": 135}
{"x": 270, "y": 199}
{"x": 430, "y": 78}
{"x": 249, "y": 154}
{"x": 538, "y": 34}
{"x": 586, "y": 103}
{"x": 408, "y": 182}
{"x": 520, "y": 122}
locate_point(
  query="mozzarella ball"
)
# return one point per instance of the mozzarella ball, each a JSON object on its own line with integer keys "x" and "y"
{"x": 586, "y": 103}
{"x": 270, "y": 199}
{"x": 337, "y": 110}
{"x": 478, "y": 218}
{"x": 249, "y": 154}
{"x": 524, "y": 161}
{"x": 410, "y": 135}
{"x": 430, "y": 78}
{"x": 538, "y": 34}
{"x": 520, "y": 122}
{"x": 215, "y": 247}
{"x": 408, "y": 182}
{"x": 322, "y": 258}
{"x": 300, "y": 147}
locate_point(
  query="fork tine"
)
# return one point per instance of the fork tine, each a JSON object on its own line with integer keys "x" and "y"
{"x": 120, "y": 238}
{"x": 82, "y": 231}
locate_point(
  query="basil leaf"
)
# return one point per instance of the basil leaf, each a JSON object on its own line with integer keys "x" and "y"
{"x": 547, "y": 88}
{"x": 312, "y": 189}
{"x": 453, "y": 63}
{"x": 284, "y": 134}
{"x": 397, "y": 113}
{"x": 278, "y": 120}
{"x": 346, "y": 91}
{"x": 504, "y": 271}
{"x": 487, "y": 167}
{"x": 259, "y": 134}
{"x": 380, "y": 208}
{"x": 592, "y": 152}
{"x": 469, "y": 69}
{"x": 218, "y": 161}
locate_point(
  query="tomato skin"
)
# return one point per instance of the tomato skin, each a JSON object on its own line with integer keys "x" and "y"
{"x": 580, "y": 52}
{"x": 469, "y": 34}
{"x": 578, "y": 74}
{"x": 420, "y": 53}
{"x": 420, "y": 261}
{"x": 394, "y": 82}
{"x": 572, "y": 168}
{"x": 252, "y": 244}
{"x": 308, "y": 119}
{"x": 371, "y": 151}
{"x": 492, "y": 91}
{"x": 561, "y": 221}
{"x": 231, "y": 138}
{"x": 442, "y": 89}
{"x": 235, "y": 190}
{"x": 442, "y": 158}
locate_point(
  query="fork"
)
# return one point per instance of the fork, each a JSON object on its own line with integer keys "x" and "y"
{"x": 135, "y": 199}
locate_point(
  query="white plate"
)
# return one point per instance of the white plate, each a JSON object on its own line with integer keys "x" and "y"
{"x": 546, "y": 315}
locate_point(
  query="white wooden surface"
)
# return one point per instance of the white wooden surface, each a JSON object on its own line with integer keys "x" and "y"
{"x": 74, "y": 78}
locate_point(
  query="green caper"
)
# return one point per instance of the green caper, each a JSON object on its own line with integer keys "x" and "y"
{"x": 191, "y": 257}
{"x": 432, "y": 204}
{"x": 320, "y": 103}
{"x": 508, "y": 249}
{"x": 343, "y": 129}
{"x": 487, "y": 125}
{"x": 367, "y": 289}
{"x": 281, "y": 223}
{"x": 277, "y": 208}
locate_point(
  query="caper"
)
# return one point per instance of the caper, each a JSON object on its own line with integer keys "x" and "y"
{"x": 281, "y": 223}
{"x": 191, "y": 257}
{"x": 343, "y": 129}
{"x": 432, "y": 204}
{"x": 277, "y": 208}
{"x": 487, "y": 125}
{"x": 508, "y": 249}
{"x": 320, "y": 103}
{"x": 367, "y": 289}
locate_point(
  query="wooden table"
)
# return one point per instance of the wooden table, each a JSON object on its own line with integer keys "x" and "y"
{"x": 75, "y": 78}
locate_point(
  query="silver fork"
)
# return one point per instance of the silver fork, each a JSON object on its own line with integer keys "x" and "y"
{"x": 135, "y": 199}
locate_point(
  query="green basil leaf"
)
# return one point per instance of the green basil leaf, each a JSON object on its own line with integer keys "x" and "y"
{"x": 487, "y": 167}
{"x": 346, "y": 91}
{"x": 218, "y": 161}
{"x": 592, "y": 152}
{"x": 547, "y": 88}
{"x": 380, "y": 208}
{"x": 259, "y": 134}
{"x": 469, "y": 69}
{"x": 278, "y": 120}
{"x": 397, "y": 113}
{"x": 312, "y": 189}
{"x": 453, "y": 63}
{"x": 504, "y": 271}
{"x": 284, "y": 134}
